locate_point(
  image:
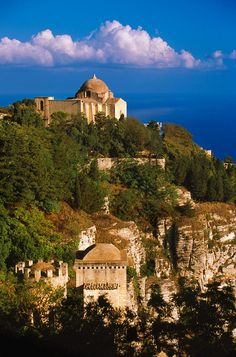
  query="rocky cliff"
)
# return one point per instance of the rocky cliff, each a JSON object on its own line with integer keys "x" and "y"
{"x": 205, "y": 245}
{"x": 201, "y": 248}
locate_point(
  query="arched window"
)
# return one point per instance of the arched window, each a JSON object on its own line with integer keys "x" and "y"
{"x": 41, "y": 105}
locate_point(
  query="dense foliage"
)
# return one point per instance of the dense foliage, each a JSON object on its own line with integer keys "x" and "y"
{"x": 147, "y": 194}
{"x": 37, "y": 318}
{"x": 206, "y": 177}
{"x": 42, "y": 168}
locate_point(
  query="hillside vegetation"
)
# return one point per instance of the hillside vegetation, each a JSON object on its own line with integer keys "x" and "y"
{"x": 42, "y": 167}
{"x": 51, "y": 190}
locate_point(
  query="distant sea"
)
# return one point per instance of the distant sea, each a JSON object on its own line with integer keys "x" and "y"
{"x": 210, "y": 119}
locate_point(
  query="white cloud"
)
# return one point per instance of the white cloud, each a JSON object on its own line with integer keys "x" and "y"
{"x": 112, "y": 43}
{"x": 233, "y": 55}
{"x": 217, "y": 54}
{"x": 16, "y": 52}
{"x": 124, "y": 45}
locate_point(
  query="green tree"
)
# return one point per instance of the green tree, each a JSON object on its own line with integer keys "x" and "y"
{"x": 206, "y": 321}
{"x": 97, "y": 326}
{"x": 24, "y": 113}
{"x": 127, "y": 204}
{"x": 5, "y": 237}
{"x": 164, "y": 327}
{"x": 89, "y": 194}
{"x": 155, "y": 140}
{"x": 204, "y": 325}
{"x": 26, "y": 165}
{"x": 136, "y": 136}
{"x": 30, "y": 234}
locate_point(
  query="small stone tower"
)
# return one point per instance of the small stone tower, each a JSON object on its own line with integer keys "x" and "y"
{"x": 55, "y": 273}
{"x": 101, "y": 269}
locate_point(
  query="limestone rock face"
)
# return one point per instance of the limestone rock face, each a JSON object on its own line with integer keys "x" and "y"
{"x": 132, "y": 302}
{"x": 203, "y": 247}
{"x": 168, "y": 288}
{"x": 221, "y": 261}
{"x": 87, "y": 238}
{"x": 199, "y": 248}
{"x": 184, "y": 197}
{"x": 135, "y": 248}
{"x": 105, "y": 208}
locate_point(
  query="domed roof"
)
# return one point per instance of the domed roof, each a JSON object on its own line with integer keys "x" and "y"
{"x": 95, "y": 85}
{"x": 40, "y": 265}
{"x": 103, "y": 252}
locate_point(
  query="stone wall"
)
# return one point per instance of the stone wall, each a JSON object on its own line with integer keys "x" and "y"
{"x": 106, "y": 163}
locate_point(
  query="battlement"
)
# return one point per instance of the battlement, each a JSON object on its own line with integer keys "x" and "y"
{"x": 54, "y": 272}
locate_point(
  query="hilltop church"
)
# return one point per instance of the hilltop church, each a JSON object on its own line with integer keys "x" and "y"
{"x": 93, "y": 97}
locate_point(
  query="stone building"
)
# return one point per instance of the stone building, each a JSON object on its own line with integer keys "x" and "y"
{"x": 55, "y": 273}
{"x": 101, "y": 270}
{"x": 93, "y": 97}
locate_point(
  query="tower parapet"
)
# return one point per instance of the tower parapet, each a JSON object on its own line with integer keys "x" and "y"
{"x": 53, "y": 272}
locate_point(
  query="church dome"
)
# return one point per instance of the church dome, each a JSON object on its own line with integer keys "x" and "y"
{"x": 94, "y": 85}
{"x": 103, "y": 252}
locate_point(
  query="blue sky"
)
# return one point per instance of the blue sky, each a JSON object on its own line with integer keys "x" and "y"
{"x": 201, "y": 26}
{"x": 183, "y": 47}
{"x": 173, "y": 61}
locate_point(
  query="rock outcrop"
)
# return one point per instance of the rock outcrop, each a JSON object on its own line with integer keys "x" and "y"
{"x": 135, "y": 248}
{"x": 203, "y": 247}
{"x": 200, "y": 248}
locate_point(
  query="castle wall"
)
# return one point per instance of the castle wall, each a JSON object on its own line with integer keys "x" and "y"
{"x": 56, "y": 275}
{"x": 111, "y": 111}
{"x": 106, "y": 163}
{"x": 42, "y": 105}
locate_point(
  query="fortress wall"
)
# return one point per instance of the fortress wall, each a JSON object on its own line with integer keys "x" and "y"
{"x": 106, "y": 163}
{"x": 56, "y": 275}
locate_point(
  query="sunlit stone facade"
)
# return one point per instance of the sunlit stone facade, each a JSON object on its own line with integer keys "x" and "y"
{"x": 101, "y": 270}
{"x": 93, "y": 97}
